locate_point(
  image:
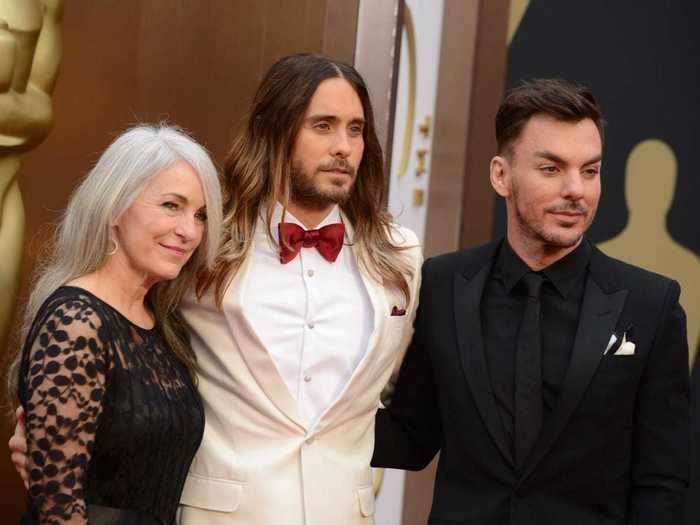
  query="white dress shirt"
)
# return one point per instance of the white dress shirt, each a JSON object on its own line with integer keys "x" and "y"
{"x": 314, "y": 317}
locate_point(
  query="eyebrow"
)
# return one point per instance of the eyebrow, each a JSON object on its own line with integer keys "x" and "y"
{"x": 180, "y": 198}
{"x": 556, "y": 158}
{"x": 176, "y": 195}
{"x": 334, "y": 118}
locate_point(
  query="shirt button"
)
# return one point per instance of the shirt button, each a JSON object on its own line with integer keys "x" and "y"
{"x": 309, "y": 440}
{"x": 310, "y": 273}
{"x": 311, "y": 326}
{"x": 307, "y": 379}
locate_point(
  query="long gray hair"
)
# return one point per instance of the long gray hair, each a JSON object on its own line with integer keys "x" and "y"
{"x": 82, "y": 240}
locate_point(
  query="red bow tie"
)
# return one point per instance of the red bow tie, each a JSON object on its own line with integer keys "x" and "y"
{"x": 327, "y": 240}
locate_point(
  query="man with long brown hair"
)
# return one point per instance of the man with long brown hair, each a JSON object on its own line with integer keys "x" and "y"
{"x": 299, "y": 327}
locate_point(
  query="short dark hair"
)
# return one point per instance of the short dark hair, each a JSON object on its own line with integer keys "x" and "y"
{"x": 561, "y": 99}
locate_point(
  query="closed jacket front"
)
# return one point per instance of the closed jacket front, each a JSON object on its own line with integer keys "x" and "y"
{"x": 615, "y": 447}
{"x": 260, "y": 463}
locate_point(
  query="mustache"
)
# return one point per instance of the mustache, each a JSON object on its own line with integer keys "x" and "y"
{"x": 577, "y": 207}
{"x": 338, "y": 165}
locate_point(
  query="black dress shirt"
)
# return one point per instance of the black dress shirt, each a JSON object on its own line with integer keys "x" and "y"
{"x": 502, "y": 309}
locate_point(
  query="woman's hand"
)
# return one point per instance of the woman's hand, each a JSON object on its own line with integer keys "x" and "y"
{"x": 18, "y": 447}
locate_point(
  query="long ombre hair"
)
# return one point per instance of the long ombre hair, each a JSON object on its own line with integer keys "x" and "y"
{"x": 82, "y": 240}
{"x": 258, "y": 170}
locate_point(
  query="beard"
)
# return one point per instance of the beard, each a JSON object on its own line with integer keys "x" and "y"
{"x": 536, "y": 229}
{"x": 309, "y": 192}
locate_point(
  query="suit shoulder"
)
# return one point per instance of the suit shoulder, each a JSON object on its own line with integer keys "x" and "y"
{"x": 461, "y": 260}
{"x": 402, "y": 236}
{"x": 407, "y": 240}
{"x": 614, "y": 274}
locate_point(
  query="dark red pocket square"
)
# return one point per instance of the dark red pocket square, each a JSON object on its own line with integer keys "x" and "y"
{"x": 397, "y": 311}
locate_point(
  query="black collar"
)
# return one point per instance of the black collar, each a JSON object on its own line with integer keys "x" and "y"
{"x": 563, "y": 273}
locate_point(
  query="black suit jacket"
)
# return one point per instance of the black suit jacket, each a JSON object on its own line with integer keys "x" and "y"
{"x": 615, "y": 449}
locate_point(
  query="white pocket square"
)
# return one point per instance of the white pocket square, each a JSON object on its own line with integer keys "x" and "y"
{"x": 626, "y": 347}
{"x": 613, "y": 340}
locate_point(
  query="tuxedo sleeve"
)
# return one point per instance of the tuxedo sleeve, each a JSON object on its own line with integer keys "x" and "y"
{"x": 408, "y": 432}
{"x": 661, "y": 447}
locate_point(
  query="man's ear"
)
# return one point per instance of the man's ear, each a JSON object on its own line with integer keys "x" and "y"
{"x": 500, "y": 175}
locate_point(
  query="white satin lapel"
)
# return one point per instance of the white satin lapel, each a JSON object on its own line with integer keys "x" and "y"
{"x": 256, "y": 356}
{"x": 377, "y": 297}
{"x": 380, "y": 306}
{"x": 375, "y": 290}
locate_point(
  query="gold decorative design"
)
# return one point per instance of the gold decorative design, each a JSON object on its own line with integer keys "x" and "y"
{"x": 30, "y": 52}
{"x": 650, "y": 182}
{"x": 420, "y": 169}
{"x": 425, "y": 127}
{"x": 410, "y": 33}
{"x": 418, "y": 198}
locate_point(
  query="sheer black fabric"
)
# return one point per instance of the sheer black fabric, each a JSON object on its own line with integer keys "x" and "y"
{"x": 113, "y": 418}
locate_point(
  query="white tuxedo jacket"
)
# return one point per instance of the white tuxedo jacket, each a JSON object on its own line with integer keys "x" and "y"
{"x": 258, "y": 464}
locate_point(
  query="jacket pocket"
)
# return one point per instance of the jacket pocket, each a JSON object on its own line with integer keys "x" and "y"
{"x": 220, "y": 495}
{"x": 617, "y": 370}
{"x": 366, "y": 498}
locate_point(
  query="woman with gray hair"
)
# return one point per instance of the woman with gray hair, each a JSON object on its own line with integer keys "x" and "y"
{"x": 106, "y": 376}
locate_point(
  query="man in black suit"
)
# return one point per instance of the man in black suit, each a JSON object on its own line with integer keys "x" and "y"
{"x": 552, "y": 379}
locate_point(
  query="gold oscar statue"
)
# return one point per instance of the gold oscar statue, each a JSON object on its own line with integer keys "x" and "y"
{"x": 650, "y": 182}
{"x": 30, "y": 51}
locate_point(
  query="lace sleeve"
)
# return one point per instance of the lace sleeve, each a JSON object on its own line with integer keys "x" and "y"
{"x": 65, "y": 381}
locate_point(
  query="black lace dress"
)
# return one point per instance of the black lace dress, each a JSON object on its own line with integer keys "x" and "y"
{"x": 113, "y": 418}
